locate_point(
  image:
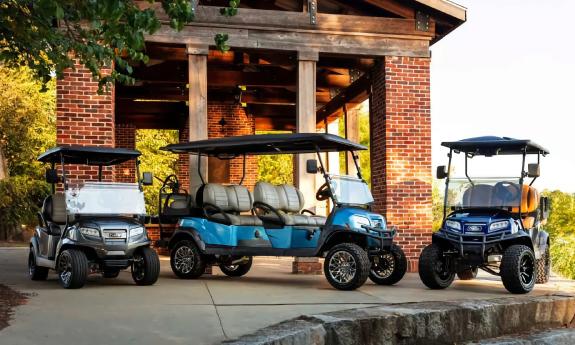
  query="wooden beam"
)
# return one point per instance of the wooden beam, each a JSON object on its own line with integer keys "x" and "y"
{"x": 394, "y": 7}
{"x": 292, "y": 31}
{"x": 355, "y": 93}
{"x": 198, "y": 112}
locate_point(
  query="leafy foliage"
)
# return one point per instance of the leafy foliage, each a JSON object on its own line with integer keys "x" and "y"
{"x": 563, "y": 255}
{"x": 276, "y": 169}
{"x": 437, "y": 206}
{"x": 45, "y": 35}
{"x": 160, "y": 163}
{"x": 20, "y": 198}
{"x": 27, "y": 120}
{"x": 364, "y": 139}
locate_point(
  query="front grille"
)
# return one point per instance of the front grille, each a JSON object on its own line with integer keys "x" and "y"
{"x": 115, "y": 236}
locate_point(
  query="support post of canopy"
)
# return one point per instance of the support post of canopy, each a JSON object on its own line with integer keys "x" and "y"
{"x": 306, "y": 123}
{"x": 197, "y": 106}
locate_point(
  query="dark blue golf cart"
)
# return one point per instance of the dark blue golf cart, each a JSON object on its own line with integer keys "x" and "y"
{"x": 227, "y": 225}
{"x": 490, "y": 223}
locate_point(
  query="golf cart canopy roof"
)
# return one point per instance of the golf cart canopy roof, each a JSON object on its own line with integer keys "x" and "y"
{"x": 490, "y": 145}
{"x": 88, "y": 155}
{"x": 264, "y": 144}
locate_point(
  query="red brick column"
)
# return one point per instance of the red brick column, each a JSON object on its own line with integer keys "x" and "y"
{"x": 184, "y": 160}
{"x": 400, "y": 127}
{"x": 84, "y": 118}
{"x": 125, "y": 138}
{"x": 237, "y": 122}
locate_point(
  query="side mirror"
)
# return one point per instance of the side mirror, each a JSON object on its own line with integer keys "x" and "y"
{"x": 147, "y": 179}
{"x": 311, "y": 166}
{"x": 533, "y": 170}
{"x": 441, "y": 172}
{"x": 52, "y": 176}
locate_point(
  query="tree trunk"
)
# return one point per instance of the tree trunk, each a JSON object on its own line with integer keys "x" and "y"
{"x": 3, "y": 165}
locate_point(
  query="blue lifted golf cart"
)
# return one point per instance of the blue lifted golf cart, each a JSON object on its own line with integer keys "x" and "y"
{"x": 227, "y": 225}
{"x": 491, "y": 223}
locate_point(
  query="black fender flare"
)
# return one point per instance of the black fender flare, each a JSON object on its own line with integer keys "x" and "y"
{"x": 338, "y": 235}
{"x": 187, "y": 234}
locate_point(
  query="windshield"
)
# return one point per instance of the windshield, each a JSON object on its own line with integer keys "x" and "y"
{"x": 350, "y": 190}
{"x": 502, "y": 193}
{"x": 105, "y": 198}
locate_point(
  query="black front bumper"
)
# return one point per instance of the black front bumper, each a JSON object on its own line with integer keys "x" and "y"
{"x": 473, "y": 247}
{"x": 379, "y": 239}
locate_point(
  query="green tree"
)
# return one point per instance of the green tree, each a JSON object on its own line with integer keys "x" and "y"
{"x": 562, "y": 216}
{"x": 160, "y": 163}
{"x": 276, "y": 169}
{"x": 46, "y": 35}
{"x": 437, "y": 206}
{"x": 27, "y": 122}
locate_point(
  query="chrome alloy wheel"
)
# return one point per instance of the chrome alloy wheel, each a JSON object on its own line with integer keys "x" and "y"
{"x": 342, "y": 267}
{"x": 383, "y": 265}
{"x": 184, "y": 259}
{"x": 65, "y": 268}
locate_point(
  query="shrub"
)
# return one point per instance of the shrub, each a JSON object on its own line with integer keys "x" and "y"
{"x": 563, "y": 255}
{"x": 21, "y": 198}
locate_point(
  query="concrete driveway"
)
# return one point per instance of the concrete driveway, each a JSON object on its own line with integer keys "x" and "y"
{"x": 205, "y": 311}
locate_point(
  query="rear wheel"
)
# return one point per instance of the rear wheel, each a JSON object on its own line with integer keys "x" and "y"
{"x": 237, "y": 270}
{"x": 388, "y": 268}
{"x": 346, "y": 266}
{"x": 433, "y": 268}
{"x": 469, "y": 274}
{"x": 36, "y": 272}
{"x": 72, "y": 269}
{"x": 145, "y": 266}
{"x": 543, "y": 267}
{"x": 186, "y": 260}
{"x": 518, "y": 269}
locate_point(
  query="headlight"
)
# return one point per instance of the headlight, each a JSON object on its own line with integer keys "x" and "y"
{"x": 453, "y": 225}
{"x": 136, "y": 231}
{"x": 358, "y": 221}
{"x": 90, "y": 232}
{"x": 499, "y": 226}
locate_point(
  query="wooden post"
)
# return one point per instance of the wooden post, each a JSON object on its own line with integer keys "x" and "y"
{"x": 306, "y": 123}
{"x": 198, "y": 105}
{"x": 351, "y": 133}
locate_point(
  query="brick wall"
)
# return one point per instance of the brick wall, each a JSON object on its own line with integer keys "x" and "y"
{"x": 237, "y": 122}
{"x": 125, "y": 137}
{"x": 401, "y": 150}
{"x": 84, "y": 118}
{"x": 184, "y": 160}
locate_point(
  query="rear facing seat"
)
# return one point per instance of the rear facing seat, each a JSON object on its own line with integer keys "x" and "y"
{"x": 287, "y": 201}
{"x": 223, "y": 204}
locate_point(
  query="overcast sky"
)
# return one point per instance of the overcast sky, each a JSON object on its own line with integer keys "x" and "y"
{"x": 510, "y": 71}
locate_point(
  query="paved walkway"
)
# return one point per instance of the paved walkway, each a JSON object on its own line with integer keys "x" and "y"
{"x": 205, "y": 311}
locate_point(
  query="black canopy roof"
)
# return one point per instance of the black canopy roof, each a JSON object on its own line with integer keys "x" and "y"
{"x": 89, "y": 155}
{"x": 491, "y": 145}
{"x": 267, "y": 144}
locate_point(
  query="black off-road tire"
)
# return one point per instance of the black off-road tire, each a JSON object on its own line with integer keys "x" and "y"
{"x": 36, "y": 272}
{"x": 198, "y": 264}
{"x": 469, "y": 274}
{"x": 237, "y": 270}
{"x": 543, "y": 267}
{"x": 149, "y": 271}
{"x": 398, "y": 269}
{"x": 429, "y": 264}
{"x": 360, "y": 260}
{"x": 110, "y": 273}
{"x": 77, "y": 266}
{"x": 511, "y": 269}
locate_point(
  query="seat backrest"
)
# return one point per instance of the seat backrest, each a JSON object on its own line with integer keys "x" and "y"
{"x": 291, "y": 199}
{"x": 232, "y": 198}
{"x": 530, "y": 199}
{"x": 54, "y": 208}
{"x": 479, "y": 195}
{"x": 267, "y": 193}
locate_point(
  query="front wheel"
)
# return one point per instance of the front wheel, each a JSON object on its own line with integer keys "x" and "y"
{"x": 145, "y": 266}
{"x": 237, "y": 270}
{"x": 543, "y": 267}
{"x": 36, "y": 272}
{"x": 187, "y": 261}
{"x": 469, "y": 274}
{"x": 388, "y": 268}
{"x": 518, "y": 269}
{"x": 72, "y": 269}
{"x": 346, "y": 266}
{"x": 434, "y": 269}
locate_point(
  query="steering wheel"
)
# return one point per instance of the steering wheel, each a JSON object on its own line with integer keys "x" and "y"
{"x": 507, "y": 191}
{"x": 171, "y": 182}
{"x": 323, "y": 193}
